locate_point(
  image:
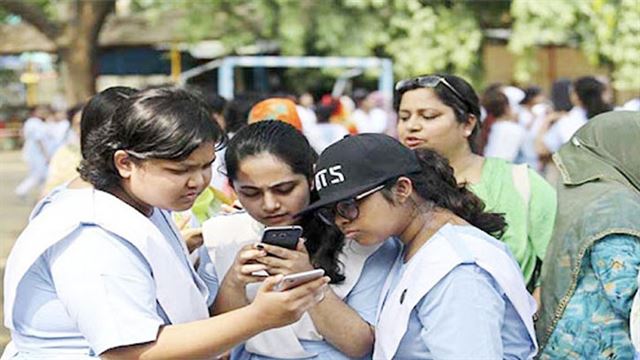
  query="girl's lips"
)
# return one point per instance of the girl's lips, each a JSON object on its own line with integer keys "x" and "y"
{"x": 413, "y": 142}
{"x": 191, "y": 196}
{"x": 350, "y": 233}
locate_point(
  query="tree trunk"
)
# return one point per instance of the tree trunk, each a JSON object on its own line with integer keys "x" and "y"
{"x": 76, "y": 39}
{"x": 77, "y": 71}
{"x": 77, "y": 48}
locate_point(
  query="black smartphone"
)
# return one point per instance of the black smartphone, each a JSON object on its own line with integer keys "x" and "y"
{"x": 283, "y": 236}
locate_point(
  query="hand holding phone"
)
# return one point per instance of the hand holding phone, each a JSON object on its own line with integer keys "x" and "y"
{"x": 283, "y": 236}
{"x": 293, "y": 280}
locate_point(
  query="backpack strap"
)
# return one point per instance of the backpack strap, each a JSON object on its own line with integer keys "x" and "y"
{"x": 520, "y": 176}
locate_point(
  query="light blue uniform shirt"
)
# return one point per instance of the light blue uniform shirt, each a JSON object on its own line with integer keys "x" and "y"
{"x": 363, "y": 298}
{"x": 91, "y": 292}
{"x": 465, "y": 316}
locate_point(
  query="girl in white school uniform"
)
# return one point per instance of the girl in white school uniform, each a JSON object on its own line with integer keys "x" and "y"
{"x": 102, "y": 272}
{"x": 454, "y": 292}
{"x": 270, "y": 165}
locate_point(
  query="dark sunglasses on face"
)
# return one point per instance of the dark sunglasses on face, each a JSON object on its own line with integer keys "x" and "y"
{"x": 430, "y": 81}
{"x": 347, "y": 209}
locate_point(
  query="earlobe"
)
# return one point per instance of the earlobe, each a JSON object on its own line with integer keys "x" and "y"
{"x": 470, "y": 125}
{"x": 123, "y": 164}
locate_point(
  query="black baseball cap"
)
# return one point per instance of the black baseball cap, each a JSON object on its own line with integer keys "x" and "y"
{"x": 357, "y": 164}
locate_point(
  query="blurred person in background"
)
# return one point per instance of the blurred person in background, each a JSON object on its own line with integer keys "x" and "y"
{"x": 367, "y": 117}
{"x": 94, "y": 114}
{"x": 441, "y": 112}
{"x": 58, "y": 124}
{"x": 486, "y": 121}
{"x": 218, "y": 105}
{"x": 384, "y": 103}
{"x": 325, "y": 132}
{"x": 533, "y": 110}
{"x": 590, "y": 272}
{"x": 281, "y": 109}
{"x": 506, "y": 135}
{"x": 236, "y": 113}
{"x": 64, "y": 162}
{"x": 560, "y": 107}
{"x": 306, "y": 110}
{"x": 344, "y": 107}
{"x": 533, "y": 100}
{"x": 35, "y": 151}
{"x": 589, "y": 98}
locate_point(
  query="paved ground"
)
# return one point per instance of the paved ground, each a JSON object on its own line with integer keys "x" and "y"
{"x": 13, "y": 217}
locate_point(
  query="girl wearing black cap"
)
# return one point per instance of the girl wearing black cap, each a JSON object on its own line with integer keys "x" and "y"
{"x": 270, "y": 165}
{"x": 442, "y": 113}
{"x": 454, "y": 292}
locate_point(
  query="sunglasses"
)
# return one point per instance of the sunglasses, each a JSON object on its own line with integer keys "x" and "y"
{"x": 347, "y": 209}
{"x": 430, "y": 81}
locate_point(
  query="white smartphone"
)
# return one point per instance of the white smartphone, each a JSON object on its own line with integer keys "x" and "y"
{"x": 292, "y": 280}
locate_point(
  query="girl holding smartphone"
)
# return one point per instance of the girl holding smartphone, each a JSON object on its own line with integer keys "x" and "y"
{"x": 270, "y": 166}
{"x": 454, "y": 292}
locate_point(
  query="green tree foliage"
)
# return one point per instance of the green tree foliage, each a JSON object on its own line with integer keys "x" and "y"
{"x": 608, "y": 31}
{"x": 420, "y": 36}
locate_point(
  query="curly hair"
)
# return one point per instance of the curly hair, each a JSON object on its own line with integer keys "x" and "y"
{"x": 437, "y": 185}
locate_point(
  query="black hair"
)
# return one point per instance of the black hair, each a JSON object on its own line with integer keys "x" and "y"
{"x": 99, "y": 109}
{"x": 590, "y": 92}
{"x": 530, "y": 93}
{"x": 560, "y": 95}
{"x": 359, "y": 95}
{"x": 277, "y": 138}
{"x": 72, "y": 111}
{"x": 495, "y": 102}
{"x": 236, "y": 113}
{"x": 437, "y": 185}
{"x": 216, "y": 102}
{"x": 159, "y": 123}
{"x": 323, "y": 112}
{"x": 461, "y": 109}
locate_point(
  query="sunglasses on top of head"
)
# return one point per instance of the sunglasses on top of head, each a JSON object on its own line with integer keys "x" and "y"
{"x": 430, "y": 81}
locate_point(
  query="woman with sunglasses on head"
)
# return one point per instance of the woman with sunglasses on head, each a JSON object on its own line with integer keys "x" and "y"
{"x": 454, "y": 292}
{"x": 270, "y": 166}
{"x": 442, "y": 113}
{"x": 110, "y": 278}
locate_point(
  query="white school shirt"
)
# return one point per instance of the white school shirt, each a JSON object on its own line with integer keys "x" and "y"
{"x": 562, "y": 130}
{"x": 34, "y": 131}
{"x": 363, "y": 267}
{"x": 505, "y": 140}
{"x": 445, "y": 251}
{"x": 92, "y": 290}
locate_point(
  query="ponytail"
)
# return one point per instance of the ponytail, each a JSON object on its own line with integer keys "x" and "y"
{"x": 437, "y": 184}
